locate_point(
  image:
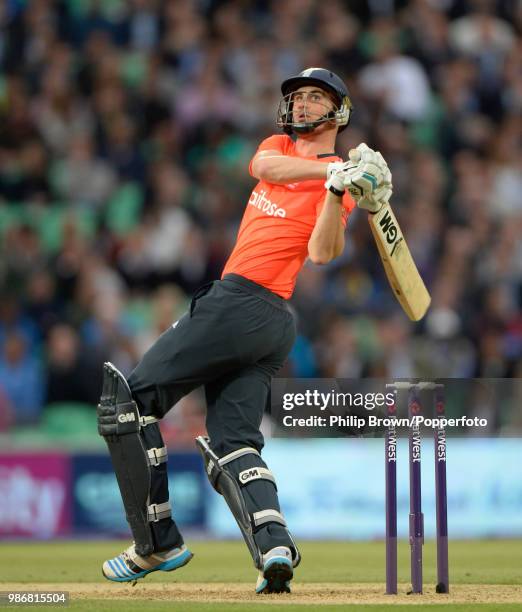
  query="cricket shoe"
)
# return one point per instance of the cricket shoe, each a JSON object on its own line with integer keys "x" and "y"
{"x": 277, "y": 571}
{"x": 129, "y": 566}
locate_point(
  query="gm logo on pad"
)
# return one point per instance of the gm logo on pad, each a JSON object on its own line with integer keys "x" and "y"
{"x": 127, "y": 417}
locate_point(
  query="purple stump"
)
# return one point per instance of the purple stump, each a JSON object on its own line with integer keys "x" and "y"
{"x": 441, "y": 496}
{"x": 391, "y": 503}
{"x": 416, "y": 516}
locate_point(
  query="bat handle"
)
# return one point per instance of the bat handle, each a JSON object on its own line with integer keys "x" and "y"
{"x": 354, "y": 156}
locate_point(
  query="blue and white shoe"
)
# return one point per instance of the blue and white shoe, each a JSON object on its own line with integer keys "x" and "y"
{"x": 129, "y": 566}
{"x": 277, "y": 571}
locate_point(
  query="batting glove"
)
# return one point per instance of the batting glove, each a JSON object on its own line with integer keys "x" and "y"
{"x": 335, "y": 167}
{"x": 336, "y": 182}
{"x": 368, "y": 178}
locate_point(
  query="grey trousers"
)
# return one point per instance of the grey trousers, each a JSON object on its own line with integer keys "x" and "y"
{"x": 234, "y": 338}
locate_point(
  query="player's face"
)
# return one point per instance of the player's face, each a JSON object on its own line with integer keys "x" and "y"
{"x": 309, "y": 104}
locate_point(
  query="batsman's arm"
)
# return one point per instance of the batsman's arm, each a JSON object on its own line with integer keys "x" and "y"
{"x": 273, "y": 167}
{"x": 327, "y": 239}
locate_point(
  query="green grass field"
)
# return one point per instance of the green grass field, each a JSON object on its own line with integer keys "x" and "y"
{"x": 485, "y": 575}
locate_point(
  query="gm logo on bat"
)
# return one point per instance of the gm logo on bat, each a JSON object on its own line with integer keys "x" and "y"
{"x": 388, "y": 228}
{"x": 390, "y": 231}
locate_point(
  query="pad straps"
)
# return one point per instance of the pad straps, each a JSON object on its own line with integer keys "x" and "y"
{"x": 147, "y": 420}
{"x": 255, "y": 473}
{"x": 247, "y": 450}
{"x": 268, "y": 516}
{"x": 250, "y": 474}
{"x": 157, "y": 455}
{"x": 156, "y": 512}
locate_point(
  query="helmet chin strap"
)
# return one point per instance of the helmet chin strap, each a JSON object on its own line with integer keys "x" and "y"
{"x": 304, "y": 128}
{"x": 307, "y": 128}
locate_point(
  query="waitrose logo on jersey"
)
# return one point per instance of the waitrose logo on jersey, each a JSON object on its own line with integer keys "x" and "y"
{"x": 259, "y": 200}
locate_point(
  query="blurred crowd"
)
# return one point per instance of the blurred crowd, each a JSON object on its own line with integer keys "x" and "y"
{"x": 126, "y": 128}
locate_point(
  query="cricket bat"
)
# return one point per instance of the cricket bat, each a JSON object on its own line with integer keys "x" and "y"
{"x": 402, "y": 273}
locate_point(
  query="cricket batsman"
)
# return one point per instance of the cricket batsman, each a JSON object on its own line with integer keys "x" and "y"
{"x": 235, "y": 337}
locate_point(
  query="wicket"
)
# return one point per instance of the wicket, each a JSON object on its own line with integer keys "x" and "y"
{"x": 416, "y": 517}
